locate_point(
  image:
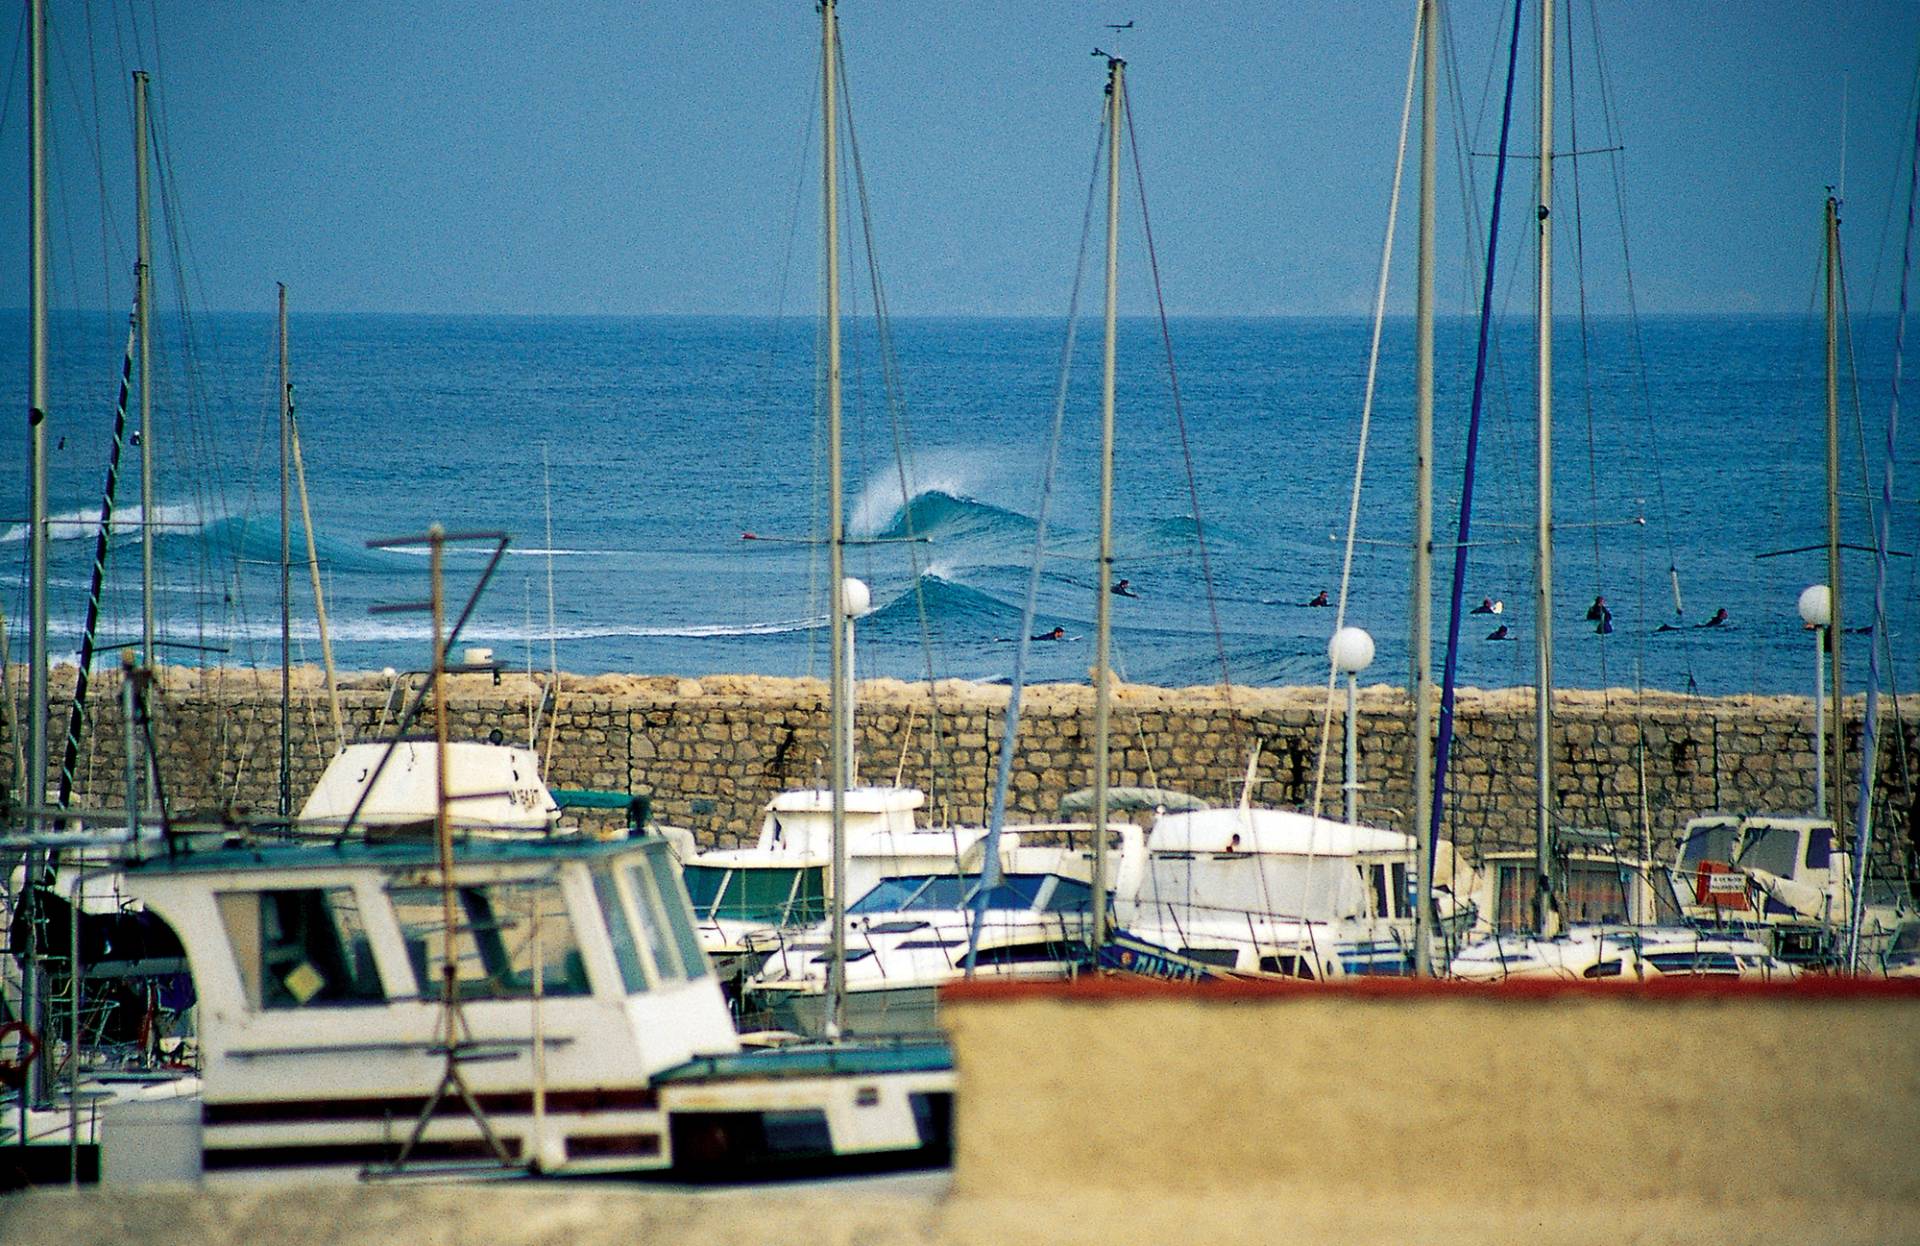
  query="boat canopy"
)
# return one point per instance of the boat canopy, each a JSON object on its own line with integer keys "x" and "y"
{"x": 493, "y": 787}
{"x": 1279, "y": 831}
{"x": 1131, "y": 800}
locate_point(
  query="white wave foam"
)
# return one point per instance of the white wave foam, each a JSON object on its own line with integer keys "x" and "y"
{"x": 84, "y": 523}
{"x": 379, "y": 631}
{"x": 955, "y": 472}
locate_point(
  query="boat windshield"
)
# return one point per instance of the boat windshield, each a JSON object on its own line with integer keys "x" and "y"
{"x": 1775, "y": 849}
{"x": 1708, "y": 843}
{"x": 779, "y": 895}
{"x": 949, "y": 892}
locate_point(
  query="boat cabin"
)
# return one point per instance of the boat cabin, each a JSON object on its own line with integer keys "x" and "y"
{"x": 320, "y": 968}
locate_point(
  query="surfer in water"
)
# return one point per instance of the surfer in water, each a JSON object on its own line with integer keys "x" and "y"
{"x": 1058, "y": 633}
{"x": 1719, "y": 619}
{"x": 1319, "y": 600}
{"x": 1499, "y": 633}
{"x": 1488, "y": 606}
{"x": 1598, "y": 610}
{"x": 1123, "y": 588}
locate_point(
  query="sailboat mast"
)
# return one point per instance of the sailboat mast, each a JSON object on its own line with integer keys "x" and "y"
{"x": 1835, "y": 627}
{"x": 33, "y": 981}
{"x": 1421, "y": 675}
{"x": 1543, "y": 552}
{"x": 143, "y": 304}
{"x": 838, "y": 717}
{"x": 286, "y": 572}
{"x": 1102, "y": 612}
{"x": 36, "y": 787}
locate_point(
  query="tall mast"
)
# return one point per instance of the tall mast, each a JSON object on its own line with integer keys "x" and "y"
{"x": 37, "y": 416}
{"x": 33, "y": 982}
{"x": 286, "y": 572}
{"x": 838, "y": 717}
{"x": 1422, "y": 612}
{"x": 1102, "y": 612}
{"x": 1835, "y": 628}
{"x": 143, "y": 304}
{"x": 1543, "y": 552}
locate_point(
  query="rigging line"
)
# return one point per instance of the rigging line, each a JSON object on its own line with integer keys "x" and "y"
{"x": 1893, "y": 189}
{"x": 898, "y": 418}
{"x": 1444, "y": 738}
{"x": 1615, "y": 163}
{"x": 76, "y": 715}
{"x": 13, "y": 68}
{"x": 99, "y": 165}
{"x": 1881, "y": 634}
{"x": 1179, "y": 411}
{"x": 1010, "y": 724}
{"x": 1863, "y": 806}
{"x": 1366, "y": 413}
{"x": 766, "y": 407}
{"x": 1586, "y": 360}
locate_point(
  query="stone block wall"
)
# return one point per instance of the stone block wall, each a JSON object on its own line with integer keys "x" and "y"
{"x": 711, "y": 752}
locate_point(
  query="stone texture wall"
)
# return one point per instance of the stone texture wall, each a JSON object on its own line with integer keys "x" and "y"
{"x": 711, "y": 752}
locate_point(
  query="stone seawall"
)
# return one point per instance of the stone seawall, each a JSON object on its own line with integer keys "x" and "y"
{"x": 712, "y": 751}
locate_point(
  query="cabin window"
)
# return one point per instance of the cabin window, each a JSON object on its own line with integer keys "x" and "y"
{"x": 502, "y": 932}
{"x": 1775, "y": 849}
{"x": 1597, "y": 891}
{"x": 664, "y": 927}
{"x": 1713, "y": 842}
{"x": 673, "y": 895}
{"x": 624, "y": 952}
{"x": 704, "y": 885}
{"x": 782, "y": 896}
{"x": 1070, "y": 895}
{"x": 888, "y": 895}
{"x": 301, "y": 949}
{"x": 1820, "y": 848}
{"x": 1032, "y": 953}
{"x": 1382, "y": 906}
{"x": 1402, "y": 891}
{"x": 1287, "y": 966}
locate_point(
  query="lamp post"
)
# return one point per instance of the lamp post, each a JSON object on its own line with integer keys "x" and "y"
{"x": 1351, "y": 651}
{"x": 855, "y": 600}
{"x": 1816, "y": 611}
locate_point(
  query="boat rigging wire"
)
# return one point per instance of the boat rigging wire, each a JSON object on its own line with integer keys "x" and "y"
{"x": 1444, "y": 740}
{"x": 901, "y": 431}
{"x": 1010, "y": 724}
{"x": 1179, "y": 412}
{"x": 1366, "y": 417}
{"x": 1863, "y": 807}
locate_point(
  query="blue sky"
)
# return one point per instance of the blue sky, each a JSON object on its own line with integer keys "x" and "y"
{"x": 599, "y": 157}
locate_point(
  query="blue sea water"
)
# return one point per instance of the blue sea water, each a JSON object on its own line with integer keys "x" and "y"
{"x": 1686, "y": 448}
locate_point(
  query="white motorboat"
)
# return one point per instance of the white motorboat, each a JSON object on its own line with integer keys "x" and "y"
{"x": 1269, "y": 891}
{"x": 909, "y": 935}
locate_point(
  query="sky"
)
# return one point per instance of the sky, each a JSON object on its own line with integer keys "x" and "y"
{"x": 599, "y": 157}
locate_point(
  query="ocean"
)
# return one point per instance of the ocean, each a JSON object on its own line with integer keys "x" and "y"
{"x": 628, "y": 458}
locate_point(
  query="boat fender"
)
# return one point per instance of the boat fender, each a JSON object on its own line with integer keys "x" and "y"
{"x": 26, "y": 1047}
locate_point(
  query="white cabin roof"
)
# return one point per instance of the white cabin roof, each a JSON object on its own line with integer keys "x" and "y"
{"x": 858, "y": 800}
{"x": 1277, "y": 831}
